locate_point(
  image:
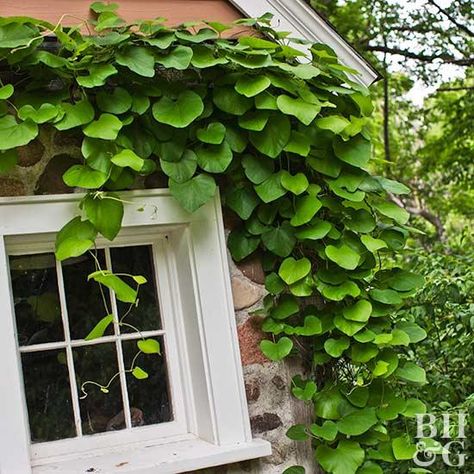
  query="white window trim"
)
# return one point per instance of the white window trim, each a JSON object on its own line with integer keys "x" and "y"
{"x": 303, "y": 22}
{"x": 216, "y": 429}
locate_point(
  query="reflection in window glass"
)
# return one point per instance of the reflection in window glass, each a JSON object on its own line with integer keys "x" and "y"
{"x": 48, "y": 396}
{"x": 138, "y": 260}
{"x": 99, "y": 410}
{"x": 84, "y": 300}
{"x": 36, "y": 299}
{"x": 149, "y": 398}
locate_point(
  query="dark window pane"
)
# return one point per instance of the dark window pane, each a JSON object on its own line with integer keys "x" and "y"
{"x": 149, "y": 398}
{"x": 138, "y": 261}
{"x": 48, "y": 396}
{"x": 85, "y": 304}
{"x": 98, "y": 410}
{"x": 36, "y": 298}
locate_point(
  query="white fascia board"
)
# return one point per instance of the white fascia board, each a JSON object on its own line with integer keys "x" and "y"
{"x": 303, "y": 22}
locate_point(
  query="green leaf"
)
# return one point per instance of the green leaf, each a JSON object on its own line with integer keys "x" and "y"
{"x": 74, "y": 239}
{"x": 292, "y": 270}
{"x": 204, "y": 34}
{"x": 311, "y": 327}
{"x": 253, "y": 120}
{"x": 335, "y": 123}
{"x": 106, "y": 213}
{"x": 356, "y": 151}
{"x": 45, "y": 113}
{"x": 370, "y": 468}
{"x": 360, "y": 311}
{"x": 75, "y": 115}
{"x": 328, "y": 430}
{"x": 280, "y": 240}
{"x": 271, "y": 189}
{"x": 182, "y": 170}
{"x": 336, "y": 347}
{"x": 206, "y": 56}
{"x": 305, "y": 393}
{"x": 405, "y": 281}
{"x": 213, "y": 134}
{"x": 243, "y": 201}
{"x": 149, "y": 346}
{"x": 385, "y": 296}
{"x": 116, "y": 102}
{"x": 98, "y": 75}
{"x": 305, "y": 209}
{"x": 363, "y": 352}
{"x": 373, "y": 245}
{"x": 6, "y": 91}
{"x": 415, "y": 332}
{"x": 123, "y": 292}
{"x": 317, "y": 230}
{"x": 13, "y": 134}
{"x": 357, "y": 422}
{"x": 274, "y": 137}
{"x": 178, "y": 113}
{"x": 274, "y": 284}
{"x": 392, "y": 186}
{"x": 345, "y": 459}
{"x": 178, "y": 58}
{"x": 276, "y": 351}
{"x": 297, "y": 433}
{"x": 257, "y": 169}
{"x": 403, "y": 449}
{"x": 390, "y": 209}
{"x": 410, "y": 372}
{"x": 100, "y": 328}
{"x": 250, "y": 86}
{"x": 128, "y": 158}
{"x": 138, "y": 59}
{"x": 286, "y": 307}
{"x": 347, "y": 327}
{"x": 339, "y": 292}
{"x": 241, "y": 245}
{"x": 302, "y": 110}
{"x": 82, "y": 176}
{"x": 214, "y": 158}
{"x": 344, "y": 256}
{"x": 139, "y": 373}
{"x": 8, "y": 160}
{"x": 13, "y": 35}
{"x": 295, "y": 470}
{"x": 296, "y": 184}
{"x": 194, "y": 193}
{"x": 414, "y": 407}
{"x": 230, "y": 101}
{"x": 299, "y": 143}
{"x": 106, "y": 127}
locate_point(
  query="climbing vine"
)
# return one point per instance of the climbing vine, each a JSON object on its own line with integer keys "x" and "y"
{"x": 283, "y": 128}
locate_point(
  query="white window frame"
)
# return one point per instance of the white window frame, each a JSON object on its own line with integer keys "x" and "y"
{"x": 211, "y": 422}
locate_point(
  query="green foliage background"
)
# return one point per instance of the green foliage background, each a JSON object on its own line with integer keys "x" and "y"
{"x": 289, "y": 144}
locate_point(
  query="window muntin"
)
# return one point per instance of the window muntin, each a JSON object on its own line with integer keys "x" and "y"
{"x": 77, "y": 305}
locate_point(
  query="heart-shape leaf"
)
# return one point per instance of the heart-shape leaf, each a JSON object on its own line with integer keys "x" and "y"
{"x": 74, "y": 239}
{"x": 318, "y": 229}
{"x": 347, "y": 327}
{"x": 82, "y": 176}
{"x": 214, "y": 158}
{"x": 6, "y": 91}
{"x": 213, "y": 134}
{"x": 359, "y": 311}
{"x": 178, "y": 113}
{"x": 106, "y": 127}
{"x": 98, "y": 74}
{"x": 257, "y": 169}
{"x": 328, "y": 430}
{"x": 45, "y": 113}
{"x": 149, "y": 346}
{"x": 194, "y": 193}
{"x": 296, "y": 184}
{"x": 346, "y": 458}
{"x": 277, "y": 350}
{"x": 116, "y": 102}
{"x": 335, "y": 347}
{"x": 292, "y": 270}
{"x": 178, "y": 58}
{"x": 356, "y": 151}
{"x": 13, "y": 134}
{"x": 250, "y": 86}
{"x": 344, "y": 256}
{"x": 312, "y": 326}
{"x": 274, "y": 137}
{"x": 305, "y": 393}
{"x": 182, "y": 170}
{"x": 139, "y": 373}
{"x": 128, "y": 158}
{"x": 357, "y": 422}
{"x": 305, "y": 209}
{"x": 302, "y": 110}
{"x": 280, "y": 240}
{"x": 271, "y": 189}
{"x": 138, "y": 59}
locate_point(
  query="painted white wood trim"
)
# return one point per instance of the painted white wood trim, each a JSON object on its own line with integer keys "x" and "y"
{"x": 303, "y": 22}
{"x": 172, "y": 458}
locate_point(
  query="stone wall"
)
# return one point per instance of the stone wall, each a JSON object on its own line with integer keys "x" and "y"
{"x": 272, "y": 408}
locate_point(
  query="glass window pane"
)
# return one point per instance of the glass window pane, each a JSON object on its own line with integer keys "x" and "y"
{"x": 138, "y": 260}
{"x": 36, "y": 299}
{"x": 149, "y": 398}
{"x": 101, "y": 408}
{"x": 85, "y": 304}
{"x": 48, "y": 396}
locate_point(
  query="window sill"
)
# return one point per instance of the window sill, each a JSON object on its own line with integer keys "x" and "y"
{"x": 171, "y": 458}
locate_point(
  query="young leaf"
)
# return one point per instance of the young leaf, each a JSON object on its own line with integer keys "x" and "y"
{"x": 276, "y": 351}
{"x": 123, "y": 292}
{"x": 106, "y": 213}
{"x": 139, "y": 373}
{"x": 100, "y": 328}
{"x": 149, "y": 346}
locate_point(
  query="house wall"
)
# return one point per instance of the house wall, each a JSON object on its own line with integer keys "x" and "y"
{"x": 272, "y": 408}
{"x": 72, "y": 11}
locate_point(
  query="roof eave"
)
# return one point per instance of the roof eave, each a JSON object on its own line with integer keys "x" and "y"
{"x": 303, "y": 22}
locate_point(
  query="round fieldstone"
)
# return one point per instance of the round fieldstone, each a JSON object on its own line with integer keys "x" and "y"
{"x": 11, "y": 187}
{"x": 30, "y": 154}
{"x": 51, "y": 181}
